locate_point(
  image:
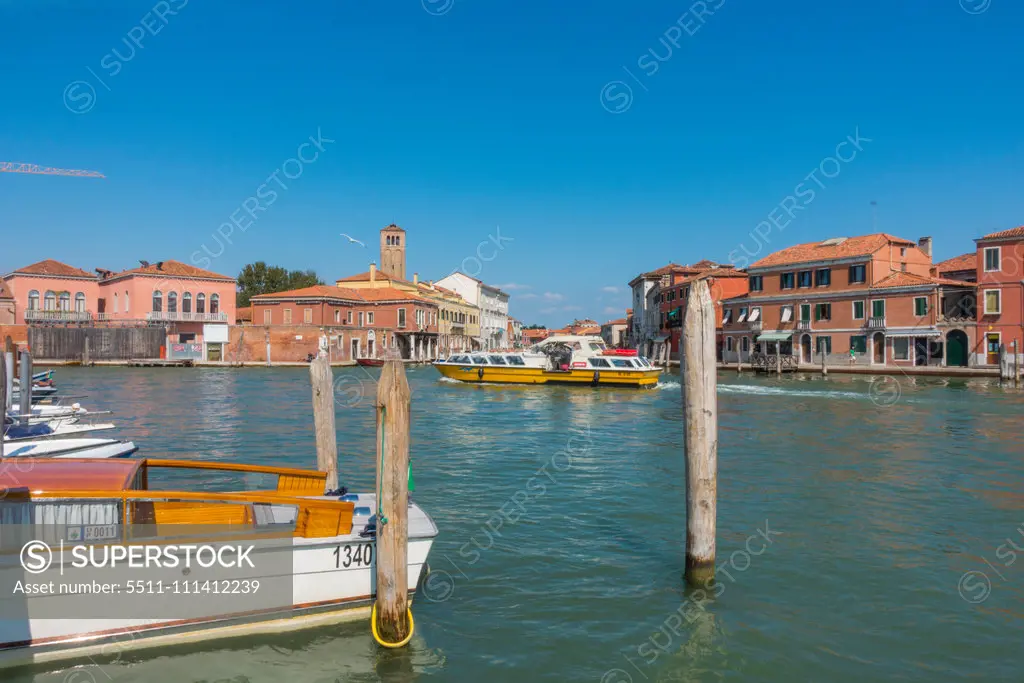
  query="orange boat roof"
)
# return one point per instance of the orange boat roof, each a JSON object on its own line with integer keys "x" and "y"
{"x": 67, "y": 474}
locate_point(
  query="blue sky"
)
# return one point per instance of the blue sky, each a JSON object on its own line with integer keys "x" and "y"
{"x": 602, "y": 138}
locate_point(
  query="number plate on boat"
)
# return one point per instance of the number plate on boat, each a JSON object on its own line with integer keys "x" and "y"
{"x": 356, "y": 555}
{"x": 93, "y": 532}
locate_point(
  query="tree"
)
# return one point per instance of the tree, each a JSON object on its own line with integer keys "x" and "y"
{"x": 535, "y": 327}
{"x": 259, "y": 278}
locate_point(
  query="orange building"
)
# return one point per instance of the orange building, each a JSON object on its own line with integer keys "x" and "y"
{"x": 1000, "y": 278}
{"x": 868, "y": 300}
{"x": 725, "y": 282}
{"x": 51, "y": 291}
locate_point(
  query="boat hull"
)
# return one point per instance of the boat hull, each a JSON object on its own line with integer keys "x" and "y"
{"x": 69, "y": 448}
{"x": 529, "y": 375}
{"x": 370, "y": 362}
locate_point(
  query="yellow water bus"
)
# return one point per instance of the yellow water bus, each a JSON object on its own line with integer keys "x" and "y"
{"x": 559, "y": 359}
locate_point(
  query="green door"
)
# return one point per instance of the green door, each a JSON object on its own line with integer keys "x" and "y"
{"x": 956, "y": 349}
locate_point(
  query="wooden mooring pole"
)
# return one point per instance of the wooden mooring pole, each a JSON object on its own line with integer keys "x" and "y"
{"x": 4, "y": 395}
{"x": 1016, "y": 363}
{"x": 824, "y": 370}
{"x": 9, "y": 362}
{"x": 700, "y": 417}
{"x": 778, "y": 358}
{"x": 393, "y": 399}
{"x": 25, "y": 390}
{"x": 85, "y": 351}
{"x": 1004, "y": 363}
{"x": 322, "y": 379}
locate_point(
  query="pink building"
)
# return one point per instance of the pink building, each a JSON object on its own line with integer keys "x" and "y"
{"x": 51, "y": 291}
{"x": 199, "y": 303}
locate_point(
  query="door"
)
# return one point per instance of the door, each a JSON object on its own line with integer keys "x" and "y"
{"x": 805, "y": 349}
{"x": 956, "y": 349}
{"x": 355, "y": 349}
{"x": 992, "y": 348}
{"x": 920, "y": 350}
{"x": 369, "y": 348}
{"x": 213, "y": 352}
{"x": 878, "y": 348}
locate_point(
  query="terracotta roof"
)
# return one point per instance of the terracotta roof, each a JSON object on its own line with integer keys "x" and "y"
{"x": 620, "y": 321}
{"x": 393, "y": 227}
{"x": 864, "y": 245}
{"x": 54, "y": 268}
{"x": 5, "y": 291}
{"x": 901, "y": 279}
{"x": 372, "y": 295}
{"x": 379, "y": 276}
{"x": 590, "y": 330}
{"x": 173, "y": 269}
{"x": 244, "y": 313}
{"x": 968, "y": 261}
{"x": 1012, "y": 232}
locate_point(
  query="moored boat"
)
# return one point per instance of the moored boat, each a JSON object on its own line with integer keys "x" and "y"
{"x": 559, "y": 359}
{"x": 60, "y": 447}
{"x": 370, "y": 362}
{"x": 312, "y": 561}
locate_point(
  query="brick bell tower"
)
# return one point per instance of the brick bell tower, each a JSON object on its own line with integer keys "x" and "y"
{"x": 392, "y": 251}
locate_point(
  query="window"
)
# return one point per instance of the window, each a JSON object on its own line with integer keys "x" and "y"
{"x": 743, "y": 315}
{"x": 599, "y": 363}
{"x": 728, "y": 343}
{"x": 80, "y": 302}
{"x": 348, "y": 318}
{"x": 172, "y": 302}
{"x": 49, "y": 301}
{"x": 805, "y": 313}
{"x": 115, "y": 301}
{"x": 287, "y": 316}
{"x": 496, "y": 360}
{"x": 186, "y": 302}
{"x": 993, "y": 302}
{"x": 126, "y": 301}
{"x": 369, "y": 317}
{"x": 901, "y": 348}
{"x": 992, "y": 258}
{"x": 362, "y": 319}
{"x": 858, "y": 274}
{"x": 823, "y": 277}
{"x": 920, "y": 305}
{"x": 859, "y": 343}
{"x": 858, "y": 310}
{"x": 755, "y": 314}
{"x": 477, "y": 360}
{"x": 516, "y": 360}
{"x": 903, "y": 267}
{"x": 401, "y": 317}
{"x": 214, "y": 304}
{"x": 158, "y": 301}
{"x": 787, "y": 313}
{"x": 824, "y": 344}
{"x": 746, "y": 344}
{"x": 201, "y": 303}
{"x": 267, "y": 316}
{"x": 878, "y": 308}
{"x": 727, "y": 316}
{"x": 756, "y": 283}
{"x": 786, "y": 281}
{"x": 822, "y": 311}
{"x": 621, "y": 363}
{"x": 65, "y": 301}
{"x": 337, "y": 316}
{"x": 803, "y": 278}
{"x": 33, "y": 301}
{"x": 307, "y": 315}
{"x": 903, "y": 251}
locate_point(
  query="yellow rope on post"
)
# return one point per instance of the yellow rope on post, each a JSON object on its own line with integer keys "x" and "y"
{"x": 381, "y": 641}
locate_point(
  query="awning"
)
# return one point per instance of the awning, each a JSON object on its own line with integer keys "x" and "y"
{"x": 787, "y": 313}
{"x": 774, "y": 336}
{"x": 913, "y": 332}
{"x": 755, "y": 313}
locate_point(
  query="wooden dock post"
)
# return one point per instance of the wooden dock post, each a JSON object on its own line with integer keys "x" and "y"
{"x": 4, "y": 395}
{"x": 10, "y": 363}
{"x": 393, "y": 399}
{"x": 700, "y": 416}
{"x": 322, "y": 379}
{"x": 778, "y": 358}
{"x": 267, "y": 339}
{"x": 85, "y": 351}
{"x": 25, "y": 403}
{"x": 824, "y": 370}
{"x": 1016, "y": 364}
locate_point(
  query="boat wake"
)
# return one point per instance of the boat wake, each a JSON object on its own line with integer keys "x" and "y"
{"x": 754, "y": 390}
{"x": 667, "y": 385}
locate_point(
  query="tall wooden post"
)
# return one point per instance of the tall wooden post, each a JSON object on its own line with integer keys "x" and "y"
{"x": 322, "y": 379}
{"x": 25, "y": 404}
{"x": 268, "y": 347}
{"x": 393, "y": 400}
{"x": 1004, "y": 363}
{"x": 85, "y": 351}
{"x": 778, "y": 358}
{"x": 700, "y": 417}
{"x": 1016, "y": 363}
{"x": 10, "y": 362}
{"x": 824, "y": 370}
{"x": 3, "y": 398}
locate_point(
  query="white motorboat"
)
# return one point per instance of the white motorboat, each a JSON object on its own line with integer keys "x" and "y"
{"x": 52, "y": 429}
{"x": 91, "y": 448}
{"x": 314, "y": 561}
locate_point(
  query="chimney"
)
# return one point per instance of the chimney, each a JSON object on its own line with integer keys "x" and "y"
{"x": 373, "y": 271}
{"x": 415, "y": 278}
{"x": 925, "y": 244}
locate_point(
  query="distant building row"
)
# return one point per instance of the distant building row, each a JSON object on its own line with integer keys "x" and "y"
{"x": 869, "y": 300}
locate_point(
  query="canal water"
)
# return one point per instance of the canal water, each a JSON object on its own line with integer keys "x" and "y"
{"x": 865, "y": 528}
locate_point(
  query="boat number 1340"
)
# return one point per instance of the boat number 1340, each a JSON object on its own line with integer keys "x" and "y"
{"x": 360, "y": 555}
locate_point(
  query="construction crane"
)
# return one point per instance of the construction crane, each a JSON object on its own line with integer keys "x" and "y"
{"x": 18, "y": 167}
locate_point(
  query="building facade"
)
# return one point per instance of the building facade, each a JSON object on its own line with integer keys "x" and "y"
{"x": 1000, "y": 279}
{"x": 7, "y": 308}
{"x": 868, "y": 300}
{"x": 492, "y": 303}
{"x": 53, "y": 292}
{"x": 614, "y": 333}
{"x": 724, "y": 282}
{"x": 392, "y": 251}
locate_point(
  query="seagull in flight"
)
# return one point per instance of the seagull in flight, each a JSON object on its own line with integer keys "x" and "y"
{"x": 353, "y": 239}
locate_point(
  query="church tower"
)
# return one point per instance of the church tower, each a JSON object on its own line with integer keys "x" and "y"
{"x": 392, "y": 251}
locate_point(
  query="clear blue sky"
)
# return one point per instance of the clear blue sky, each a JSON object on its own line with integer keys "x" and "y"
{"x": 454, "y": 117}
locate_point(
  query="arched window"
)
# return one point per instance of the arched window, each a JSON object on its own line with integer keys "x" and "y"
{"x": 115, "y": 302}
{"x": 80, "y": 302}
{"x": 158, "y": 301}
{"x": 33, "y": 300}
{"x": 64, "y": 301}
{"x": 201, "y": 303}
{"x": 172, "y": 302}
{"x": 214, "y": 303}
{"x": 50, "y": 301}
{"x": 398, "y": 240}
{"x": 186, "y": 302}
{"x": 126, "y": 301}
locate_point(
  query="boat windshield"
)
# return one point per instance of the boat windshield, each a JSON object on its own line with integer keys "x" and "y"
{"x": 595, "y": 346}
{"x": 516, "y": 360}
{"x": 599, "y": 363}
{"x": 458, "y": 359}
{"x": 621, "y": 363}
{"x": 496, "y": 360}
{"x": 479, "y": 360}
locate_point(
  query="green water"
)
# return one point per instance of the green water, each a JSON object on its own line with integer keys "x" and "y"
{"x": 862, "y": 528}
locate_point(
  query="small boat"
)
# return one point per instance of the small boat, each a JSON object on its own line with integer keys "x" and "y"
{"x": 85, "y": 448}
{"x": 559, "y": 359}
{"x": 370, "y": 362}
{"x": 312, "y": 561}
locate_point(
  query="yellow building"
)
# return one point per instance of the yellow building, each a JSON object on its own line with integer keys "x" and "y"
{"x": 458, "y": 321}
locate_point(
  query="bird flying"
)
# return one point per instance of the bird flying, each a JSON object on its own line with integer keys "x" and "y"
{"x": 353, "y": 239}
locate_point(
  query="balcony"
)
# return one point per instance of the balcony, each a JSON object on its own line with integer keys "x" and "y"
{"x": 803, "y": 325}
{"x": 875, "y": 323}
{"x": 178, "y": 317}
{"x": 58, "y": 316}
{"x": 756, "y": 326}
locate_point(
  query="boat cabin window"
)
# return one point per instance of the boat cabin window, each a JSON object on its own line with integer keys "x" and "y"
{"x": 496, "y": 360}
{"x": 516, "y": 360}
{"x": 479, "y": 360}
{"x": 621, "y": 363}
{"x": 599, "y": 363}
{"x": 576, "y": 346}
{"x": 458, "y": 359}
{"x": 643, "y": 361}
{"x": 596, "y": 347}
